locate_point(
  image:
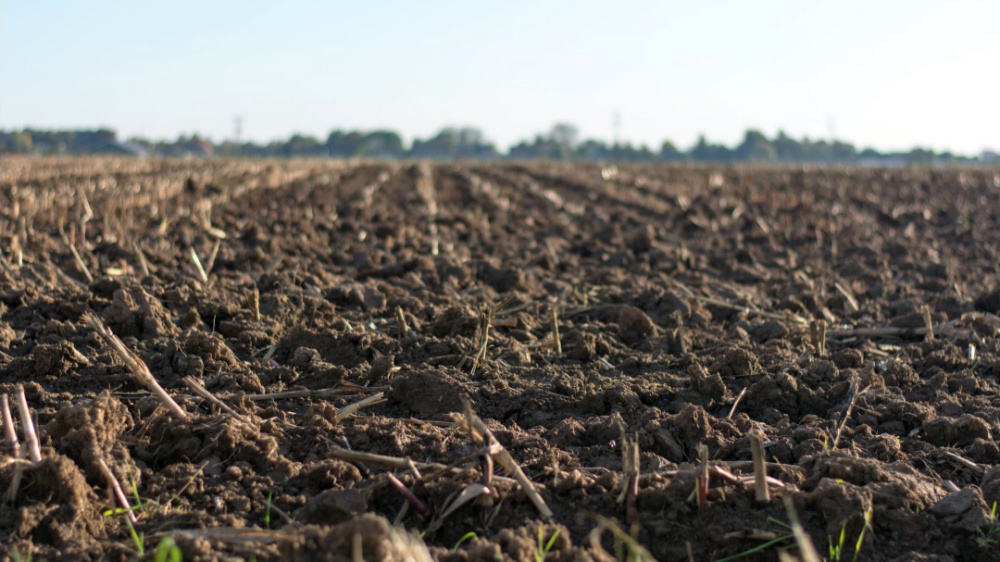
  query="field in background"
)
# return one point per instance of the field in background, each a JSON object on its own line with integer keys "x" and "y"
{"x": 524, "y": 352}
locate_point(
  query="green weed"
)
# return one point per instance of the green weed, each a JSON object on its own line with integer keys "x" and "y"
{"x": 543, "y": 548}
{"x": 989, "y": 536}
{"x": 764, "y": 546}
{"x": 267, "y": 514}
{"x": 138, "y": 538}
{"x": 626, "y": 547}
{"x": 836, "y": 551}
{"x": 167, "y": 551}
{"x": 466, "y": 537}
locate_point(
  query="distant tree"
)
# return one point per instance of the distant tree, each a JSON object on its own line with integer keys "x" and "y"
{"x": 628, "y": 153}
{"x": 469, "y": 137}
{"x": 14, "y": 142}
{"x": 705, "y": 152}
{"x": 787, "y": 149}
{"x": 561, "y": 142}
{"x": 302, "y": 145}
{"x": 593, "y": 150}
{"x": 454, "y": 142}
{"x": 443, "y": 145}
{"x": 989, "y": 157}
{"x": 542, "y": 147}
{"x": 756, "y": 148}
{"x": 564, "y": 136}
{"x": 920, "y": 157}
{"x": 225, "y": 148}
{"x": 104, "y": 136}
{"x": 86, "y": 141}
{"x": 345, "y": 145}
{"x": 22, "y": 142}
{"x": 381, "y": 144}
{"x": 843, "y": 152}
{"x": 670, "y": 153}
{"x": 49, "y": 141}
{"x": 819, "y": 151}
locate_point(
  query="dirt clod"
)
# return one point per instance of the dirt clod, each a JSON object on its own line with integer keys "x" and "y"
{"x": 634, "y": 325}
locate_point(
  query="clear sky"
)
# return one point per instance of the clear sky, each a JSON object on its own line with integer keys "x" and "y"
{"x": 885, "y": 73}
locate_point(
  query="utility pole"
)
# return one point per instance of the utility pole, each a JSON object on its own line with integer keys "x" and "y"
{"x": 616, "y": 126}
{"x": 238, "y": 129}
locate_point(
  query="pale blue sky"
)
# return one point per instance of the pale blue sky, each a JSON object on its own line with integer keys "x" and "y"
{"x": 891, "y": 74}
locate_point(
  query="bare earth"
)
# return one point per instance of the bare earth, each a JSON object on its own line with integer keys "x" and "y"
{"x": 695, "y": 307}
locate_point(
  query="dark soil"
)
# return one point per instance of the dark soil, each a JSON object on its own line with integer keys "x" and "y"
{"x": 683, "y": 298}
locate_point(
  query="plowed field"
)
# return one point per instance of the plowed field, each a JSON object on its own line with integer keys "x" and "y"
{"x": 485, "y": 361}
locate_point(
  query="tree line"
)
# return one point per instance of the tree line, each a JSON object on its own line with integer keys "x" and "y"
{"x": 561, "y": 142}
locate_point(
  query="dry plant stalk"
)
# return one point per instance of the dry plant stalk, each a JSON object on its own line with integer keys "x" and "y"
{"x": 253, "y": 301}
{"x": 736, "y": 403}
{"x": 401, "y": 323}
{"x": 200, "y": 390}
{"x": 468, "y": 494}
{"x": 210, "y": 265}
{"x": 702, "y": 482}
{"x": 143, "y": 262}
{"x": 406, "y": 493}
{"x": 792, "y": 318}
{"x": 759, "y": 469}
{"x": 852, "y": 394}
{"x": 135, "y": 365}
{"x": 357, "y": 547}
{"x": 197, "y": 265}
{"x": 851, "y": 303}
{"x": 414, "y": 469}
{"x": 88, "y": 211}
{"x": 80, "y": 264}
{"x": 768, "y": 465}
{"x": 943, "y": 329}
{"x": 396, "y": 463}
{"x": 817, "y": 333}
{"x": 485, "y": 321}
{"x": 321, "y": 393}
{"x": 963, "y": 462}
{"x": 8, "y": 426}
{"x": 351, "y": 409}
{"x": 230, "y": 535}
{"x": 630, "y": 466}
{"x": 70, "y": 279}
{"x": 28, "y": 427}
{"x": 806, "y": 547}
{"x": 555, "y": 330}
{"x": 636, "y": 551}
{"x": 505, "y": 459}
{"x": 15, "y": 482}
{"x": 18, "y": 251}
{"x": 928, "y": 322}
{"x": 117, "y": 489}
